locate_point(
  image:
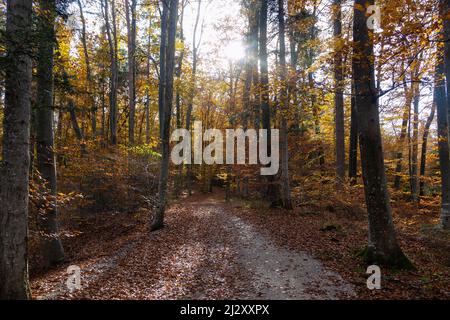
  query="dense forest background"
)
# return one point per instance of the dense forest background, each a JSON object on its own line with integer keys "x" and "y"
{"x": 90, "y": 91}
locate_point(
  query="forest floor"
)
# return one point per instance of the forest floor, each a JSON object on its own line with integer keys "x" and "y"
{"x": 205, "y": 252}
{"x": 211, "y": 249}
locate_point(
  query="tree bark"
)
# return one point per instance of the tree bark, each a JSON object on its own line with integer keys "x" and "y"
{"x": 178, "y": 111}
{"x": 383, "y": 247}
{"x": 338, "y": 97}
{"x": 423, "y": 157}
{"x": 76, "y": 128}
{"x": 193, "y": 89}
{"x": 443, "y": 145}
{"x": 112, "y": 42}
{"x": 271, "y": 192}
{"x": 414, "y": 179}
{"x": 15, "y": 162}
{"x": 131, "y": 33}
{"x": 286, "y": 191}
{"x": 89, "y": 83}
{"x": 401, "y": 140}
{"x": 353, "y": 147}
{"x": 445, "y": 99}
{"x": 158, "y": 219}
{"x": 52, "y": 248}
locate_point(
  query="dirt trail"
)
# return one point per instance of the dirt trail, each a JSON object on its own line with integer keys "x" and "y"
{"x": 206, "y": 252}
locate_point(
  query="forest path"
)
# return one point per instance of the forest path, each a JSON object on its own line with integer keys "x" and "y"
{"x": 207, "y": 252}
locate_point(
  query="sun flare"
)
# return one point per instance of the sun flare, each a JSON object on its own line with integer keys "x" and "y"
{"x": 234, "y": 51}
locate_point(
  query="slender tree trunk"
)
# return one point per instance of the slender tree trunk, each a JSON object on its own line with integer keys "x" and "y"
{"x": 286, "y": 191}
{"x": 112, "y": 42}
{"x": 414, "y": 181}
{"x": 272, "y": 192}
{"x": 314, "y": 106}
{"x": 401, "y": 140}
{"x": 147, "y": 100}
{"x": 193, "y": 89}
{"x": 158, "y": 219}
{"x": 383, "y": 246}
{"x": 423, "y": 157}
{"x": 338, "y": 97}
{"x": 76, "y": 128}
{"x": 131, "y": 26}
{"x": 162, "y": 63}
{"x": 353, "y": 148}
{"x": 255, "y": 102}
{"x": 444, "y": 7}
{"x": 52, "y": 248}
{"x": 15, "y": 162}
{"x": 441, "y": 99}
{"x": 89, "y": 83}
{"x": 178, "y": 72}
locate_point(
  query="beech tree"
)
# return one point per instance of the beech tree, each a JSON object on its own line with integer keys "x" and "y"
{"x": 130, "y": 9}
{"x": 284, "y": 97}
{"x": 383, "y": 247}
{"x": 14, "y": 167}
{"x": 171, "y": 12}
{"x": 338, "y": 95}
{"x": 52, "y": 248}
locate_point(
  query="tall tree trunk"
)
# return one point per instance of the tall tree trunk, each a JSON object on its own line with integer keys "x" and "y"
{"x": 131, "y": 33}
{"x": 286, "y": 191}
{"x": 401, "y": 140}
{"x": 158, "y": 219}
{"x": 89, "y": 83}
{"x": 445, "y": 209}
{"x": 52, "y": 248}
{"x": 423, "y": 157}
{"x": 147, "y": 100}
{"x": 162, "y": 64}
{"x": 15, "y": 162}
{"x": 338, "y": 96}
{"x": 353, "y": 147}
{"x": 272, "y": 192}
{"x": 414, "y": 181}
{"x": 319, "y": 154}
{"x": 193, "y": 89}
{"x": 443, "y": 142}
{"x": 383, "y": 247}
{"x": 253, "y": 64}
{"x": 178, "y": 72}
{"x": 112, "y": 42}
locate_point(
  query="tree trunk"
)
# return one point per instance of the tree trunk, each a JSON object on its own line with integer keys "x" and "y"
{"x": 442, "y": 99}
{"x": 401, "y": 140}
{"x": 338, "y": 97}
{"x": 52, "y": 248}
{"x": 286, "y": 191}
{"x": 76, "y": 128}
{"x": 147, "y": 100}
{"x": 272, "y": 192}
{"x": 178, "y": 72}
{"x": 112, "y": 42}
{"x": 158, "y": 219}
{"x": 15, "y": 162}
{"x": 192, "y": 93}
{"x": 353, "y": 148}
{"x": 414, "y": 181}
{"x": 89, "y": 84}
{"x": 131, "y": 33}
{"x": 162, "y": 64}
{"x": 443, "y": 142}
{"x": 423, "y": 157}
{"x": 383, "y": 247}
